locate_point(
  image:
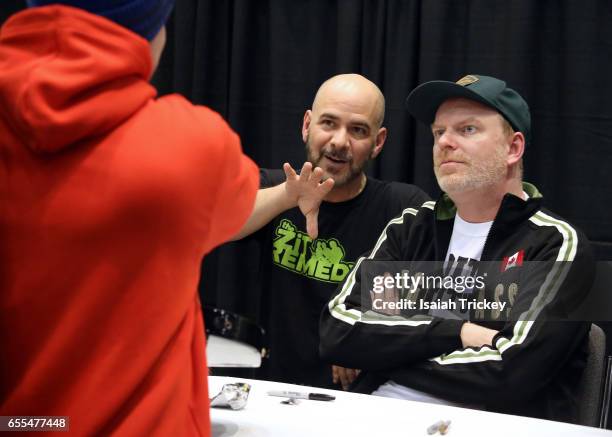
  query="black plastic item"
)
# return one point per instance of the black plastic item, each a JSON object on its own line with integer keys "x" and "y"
{"x": 233, "y": 326}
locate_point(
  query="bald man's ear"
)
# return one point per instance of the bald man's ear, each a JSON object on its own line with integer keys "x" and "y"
{"x": 306, "y": 124}
{"x": 381, "y": 137}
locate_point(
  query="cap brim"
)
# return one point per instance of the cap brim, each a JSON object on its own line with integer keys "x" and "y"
{"x": 424, "y": 101}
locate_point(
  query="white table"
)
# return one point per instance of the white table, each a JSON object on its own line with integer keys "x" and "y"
{"x": 354, "y": 414}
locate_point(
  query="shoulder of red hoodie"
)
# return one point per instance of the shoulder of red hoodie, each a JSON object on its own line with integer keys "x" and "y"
{"x": 196, "y": 146}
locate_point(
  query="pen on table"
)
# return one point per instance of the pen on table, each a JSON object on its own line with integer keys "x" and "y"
{"x": 300, "y": 395}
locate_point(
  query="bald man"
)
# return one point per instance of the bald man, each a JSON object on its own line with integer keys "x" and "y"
{"x": 308, "y": 246}
{"x": 342, "y": 132}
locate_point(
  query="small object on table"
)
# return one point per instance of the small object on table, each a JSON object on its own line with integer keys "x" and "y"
{"x": 444, "y": 427}
{"x": 290, "y": 401}
{"x": 234, "y": 396}
{"x": 440, "y": 426}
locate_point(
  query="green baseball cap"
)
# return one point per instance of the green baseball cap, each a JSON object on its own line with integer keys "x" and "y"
{"x": 424, "y": 101}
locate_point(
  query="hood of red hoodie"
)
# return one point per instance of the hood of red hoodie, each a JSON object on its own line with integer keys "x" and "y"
{"x": 67, "y": 76}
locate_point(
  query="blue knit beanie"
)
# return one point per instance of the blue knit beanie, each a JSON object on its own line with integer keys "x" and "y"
{"x": 145, "y": 17}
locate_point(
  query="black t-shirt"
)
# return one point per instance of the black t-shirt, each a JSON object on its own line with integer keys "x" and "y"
{"x": 298, "y": 276}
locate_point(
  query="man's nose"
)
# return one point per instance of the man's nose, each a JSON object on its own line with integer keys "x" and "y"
{"x": 340, "y": 139}
{"x": 447, "y": 141}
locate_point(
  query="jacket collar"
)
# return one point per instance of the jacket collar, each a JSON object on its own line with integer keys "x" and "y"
{"x": 512, "y": 208}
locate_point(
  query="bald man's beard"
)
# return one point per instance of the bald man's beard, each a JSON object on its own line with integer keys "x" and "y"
{"x": 353, "y": 172}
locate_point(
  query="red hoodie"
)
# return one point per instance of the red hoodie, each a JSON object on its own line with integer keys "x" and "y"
{"x": 109, "y": 198}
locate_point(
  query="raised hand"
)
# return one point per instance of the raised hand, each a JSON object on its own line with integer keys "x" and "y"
{"x": 308, "y": 191}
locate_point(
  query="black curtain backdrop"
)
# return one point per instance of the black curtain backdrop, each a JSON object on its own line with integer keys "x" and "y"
{"x": 259, "y": 64}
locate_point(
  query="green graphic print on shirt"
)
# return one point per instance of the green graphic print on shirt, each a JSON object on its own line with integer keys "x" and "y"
{"x": 321, "y": 260}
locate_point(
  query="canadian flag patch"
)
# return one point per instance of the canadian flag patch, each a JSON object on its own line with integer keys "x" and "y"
{"x": 515, "y": 260}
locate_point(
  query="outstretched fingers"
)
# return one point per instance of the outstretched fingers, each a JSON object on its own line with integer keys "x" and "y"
{"x": 290, "y": 173}
{"x": 306, "y": 171}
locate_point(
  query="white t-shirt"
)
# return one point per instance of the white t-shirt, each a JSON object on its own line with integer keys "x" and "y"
{"x": 467, "y": 240}
{"x": 392, "y": 389}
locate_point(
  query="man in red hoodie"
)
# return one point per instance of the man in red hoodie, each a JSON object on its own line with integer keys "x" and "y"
{"x": 109, "y": 198}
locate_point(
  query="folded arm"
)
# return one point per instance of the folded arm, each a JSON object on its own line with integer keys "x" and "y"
{"x": 530, "y": 351}
{"x": 352, "y": 336}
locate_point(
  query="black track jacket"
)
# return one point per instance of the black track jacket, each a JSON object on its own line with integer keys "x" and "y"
{"x": 532, "y": 367}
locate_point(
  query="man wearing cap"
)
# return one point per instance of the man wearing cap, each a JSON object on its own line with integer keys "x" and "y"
{"x": 110, "y": 198}
{"x": 522, "y": 363}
